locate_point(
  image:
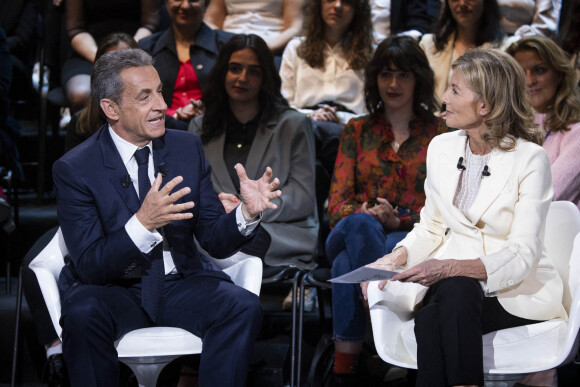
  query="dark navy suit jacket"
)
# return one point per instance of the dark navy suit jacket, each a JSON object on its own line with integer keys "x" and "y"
{"x": 94, "y": 203}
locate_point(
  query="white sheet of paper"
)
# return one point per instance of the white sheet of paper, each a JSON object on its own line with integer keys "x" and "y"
{"x": 363, "y": 274}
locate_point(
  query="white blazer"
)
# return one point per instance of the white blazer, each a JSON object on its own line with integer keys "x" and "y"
{"x": 504, "y": 226}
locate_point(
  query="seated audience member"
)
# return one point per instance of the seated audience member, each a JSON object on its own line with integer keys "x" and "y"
{"x": 184, "y": 56}
{"x": 399, "y": 18}
{"x": 322, "y": 74}
{"x": 488, "y": 191}
{"x": 377, "y": 187}
{"x": 530, "y": 17}
{"x": 569, "y": 35}
{"x": 247, "y": 121}
{"x": 89, "y": 21}
{"x": 133, "y": 261}
{"x": 461, "y": 26}
{"x": 551, "y": 83}
{"x": 89, "y": 120}
{"x": 275, "y": 21}
{"x": 18, "y": 19}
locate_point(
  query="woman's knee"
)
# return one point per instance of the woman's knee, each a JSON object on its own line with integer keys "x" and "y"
{"x": 361, "y": 222}
{"x": 459, "y": 295}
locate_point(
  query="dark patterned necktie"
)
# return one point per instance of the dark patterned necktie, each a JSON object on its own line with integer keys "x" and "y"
{"x": 152, "y": 279}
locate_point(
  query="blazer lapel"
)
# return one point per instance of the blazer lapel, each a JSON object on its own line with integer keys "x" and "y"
{"x": 449, "y": 175}
{"x": 499, "y": 166}
{"x": 259, "y": 145}
{"x": 161, "y": 162}
{"x": 214, "y": 151}
{"x": 118, "y": 178}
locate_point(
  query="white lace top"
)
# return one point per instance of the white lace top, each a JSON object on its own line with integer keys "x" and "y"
{"x": 470, "y": 180}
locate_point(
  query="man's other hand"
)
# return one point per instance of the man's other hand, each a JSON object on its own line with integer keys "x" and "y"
{"x": 256, "y": 195}
{"x": 158, "y": 208}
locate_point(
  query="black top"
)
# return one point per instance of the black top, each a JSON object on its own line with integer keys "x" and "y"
{"x": 239, "y": 138}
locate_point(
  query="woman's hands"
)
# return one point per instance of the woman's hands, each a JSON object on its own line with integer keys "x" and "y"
{"x": 384, "y": 213}
{"x": 430, "y": 271}
{"x": 397, "y": 258}
{"x": 229, "y": 201}
{"x": 187, "y": 112}
{"x": 325, "y": 113}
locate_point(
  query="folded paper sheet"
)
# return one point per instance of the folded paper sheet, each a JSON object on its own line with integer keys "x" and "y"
{"x": 363, "y": 274}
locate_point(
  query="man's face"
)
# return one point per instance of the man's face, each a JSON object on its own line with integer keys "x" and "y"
{"x": 140, "y": 117}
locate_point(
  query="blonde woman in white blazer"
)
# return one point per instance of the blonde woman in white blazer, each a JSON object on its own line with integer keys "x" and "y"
{"x": 488, "y": 190}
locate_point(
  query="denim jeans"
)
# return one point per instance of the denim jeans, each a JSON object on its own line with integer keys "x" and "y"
{"x": 355, "y": 241}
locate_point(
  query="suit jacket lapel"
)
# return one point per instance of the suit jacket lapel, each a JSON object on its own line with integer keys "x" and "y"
{"x": 500, "y": 166}
{"x": 214, "y": 151}
{"x": 118, "y": 178}
{"x": 161, "y": 162}
{"x": 259, "y": 145}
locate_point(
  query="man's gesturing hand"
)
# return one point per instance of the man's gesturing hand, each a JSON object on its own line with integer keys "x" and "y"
{"x": 256, "y": 194}
{"x": 158, "y": 208}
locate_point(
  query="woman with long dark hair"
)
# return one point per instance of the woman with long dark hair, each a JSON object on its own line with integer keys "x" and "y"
{"x": 248, "y": 121}
{"x": 377, "y": 187}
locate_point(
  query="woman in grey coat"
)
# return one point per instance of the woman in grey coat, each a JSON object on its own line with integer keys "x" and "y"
{"x": 248, "y": 121}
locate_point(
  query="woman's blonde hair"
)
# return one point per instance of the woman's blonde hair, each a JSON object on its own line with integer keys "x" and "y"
{"x": 501, "y": 82}
{"x": 565, "y": 107}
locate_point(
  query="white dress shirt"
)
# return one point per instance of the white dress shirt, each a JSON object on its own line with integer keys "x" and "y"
{"x": 144, "y": 239}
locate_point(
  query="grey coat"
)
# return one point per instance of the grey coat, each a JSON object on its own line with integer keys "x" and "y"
{"x": 286, "y": 144}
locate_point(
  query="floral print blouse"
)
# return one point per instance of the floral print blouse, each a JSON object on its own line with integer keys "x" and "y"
{"x": 367, "y": 167}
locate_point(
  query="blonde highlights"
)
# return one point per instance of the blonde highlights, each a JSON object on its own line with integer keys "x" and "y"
{"x": 501, "y": 83}
{"x": 565, "y": 109}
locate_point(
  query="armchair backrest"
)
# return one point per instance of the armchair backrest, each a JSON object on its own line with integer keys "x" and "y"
{"x": 562, "y": 225}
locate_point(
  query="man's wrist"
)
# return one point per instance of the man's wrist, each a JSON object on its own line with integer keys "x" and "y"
{"x": 246, "y": 214}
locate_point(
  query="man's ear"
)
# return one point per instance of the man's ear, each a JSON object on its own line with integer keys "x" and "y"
{"x": 110, "y": 108}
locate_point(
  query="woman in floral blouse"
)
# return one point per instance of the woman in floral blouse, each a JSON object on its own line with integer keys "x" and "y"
{"x": 377, "y": 187}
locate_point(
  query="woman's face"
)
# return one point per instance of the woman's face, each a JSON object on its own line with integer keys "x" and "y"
{"x": 541, "y": 79}
{"x": 244, "y": 77}
{"x": 466, "y": 12}
{"x": 186, "y": 13}
{"x": 396, "y": 88}
{"x": 337, "y": 14}
{"x": 465, "y": 108}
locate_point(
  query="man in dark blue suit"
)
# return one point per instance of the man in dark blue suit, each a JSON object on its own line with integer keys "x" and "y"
{"x": 128, "y": 221}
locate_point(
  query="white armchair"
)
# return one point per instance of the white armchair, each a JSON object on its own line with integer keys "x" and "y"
{"x": 509, "y": 353}
{"x": 146, "y": 351}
